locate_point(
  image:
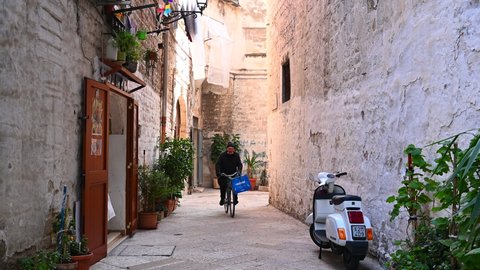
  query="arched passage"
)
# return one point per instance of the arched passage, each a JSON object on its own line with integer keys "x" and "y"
{"x": 181, "y": 119}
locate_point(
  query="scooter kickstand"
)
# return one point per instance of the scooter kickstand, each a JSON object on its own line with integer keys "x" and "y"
{"x": 320, "y": 254}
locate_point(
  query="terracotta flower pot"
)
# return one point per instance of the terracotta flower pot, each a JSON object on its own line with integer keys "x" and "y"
{"x": 83, "y": 261}
{"x": 253, "y": 183}
{"x": 67, "y": 266}
{"x": 170, "y": 204}
{"x": 147, "y": 220}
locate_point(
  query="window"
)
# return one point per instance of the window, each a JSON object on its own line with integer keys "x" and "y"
{"x": 286, "y": 81}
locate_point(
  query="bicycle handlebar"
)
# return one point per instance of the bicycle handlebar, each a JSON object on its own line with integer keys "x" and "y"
{"x": 229, "y": 175}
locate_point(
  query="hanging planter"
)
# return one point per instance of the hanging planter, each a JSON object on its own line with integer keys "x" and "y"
{"x": 141, "y": 34}
{"x": 151, "y": 58}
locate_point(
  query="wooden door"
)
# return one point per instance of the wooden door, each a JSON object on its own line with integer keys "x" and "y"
{"x": 95, "y": 152}
{"x": 132, "y": 166}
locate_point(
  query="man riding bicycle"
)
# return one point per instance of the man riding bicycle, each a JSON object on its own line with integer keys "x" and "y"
{"x": 228, "y": 163}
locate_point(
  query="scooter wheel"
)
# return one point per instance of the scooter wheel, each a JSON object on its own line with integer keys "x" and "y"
{"x": 351, "y": 262}
{"x": 316, "y": 240}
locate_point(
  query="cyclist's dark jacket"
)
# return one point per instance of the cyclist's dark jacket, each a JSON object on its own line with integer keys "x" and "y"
{"x": 228, "y": 164}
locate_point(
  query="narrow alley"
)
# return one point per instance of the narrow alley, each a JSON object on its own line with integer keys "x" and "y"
{"x": 199, "y": 235}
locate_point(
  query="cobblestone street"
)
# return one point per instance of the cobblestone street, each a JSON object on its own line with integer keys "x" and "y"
{"x": 199, "y": 235}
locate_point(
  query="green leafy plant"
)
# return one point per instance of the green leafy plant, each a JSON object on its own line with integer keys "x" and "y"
{"x": 65, "y": 233}
{"x": 152, "y": 185}
{"x": 252, "y": 162}
{"x": 80, "y": 247}
{"x": 151, "y": 55}
{"x": 42, "y": 260}
{"x": 129, "y": 44}
{"x": 454, "y": 184}
{"x": 219, "y": 144}
{"x": 426, "y": 253}
{"x": 176, "y": 161}
{"x": 264, "y": 178}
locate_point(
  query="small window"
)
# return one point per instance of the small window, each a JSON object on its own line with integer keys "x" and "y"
{"x": 286, "y": 81}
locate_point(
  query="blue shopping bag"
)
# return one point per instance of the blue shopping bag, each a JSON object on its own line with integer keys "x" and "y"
{"x": 240, "y": 184}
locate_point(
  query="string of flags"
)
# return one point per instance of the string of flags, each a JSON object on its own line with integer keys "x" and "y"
{"x": 164, "y": 8}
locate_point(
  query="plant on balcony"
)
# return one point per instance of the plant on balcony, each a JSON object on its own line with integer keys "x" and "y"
{"x": 129, "y": 49}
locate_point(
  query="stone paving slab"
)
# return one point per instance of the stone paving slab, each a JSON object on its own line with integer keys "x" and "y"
{"x": 199, "y": 235}
{"x": 146, "y": 250}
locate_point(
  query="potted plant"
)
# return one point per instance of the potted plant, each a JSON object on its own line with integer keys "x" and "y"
{"x": 64, "y": 231}
{"x": 41, "y": 260}
{"x": 129, "y": 49}
{"x": 263, "y": 186}
{"x": 252, "y": 162}
{"x": 176, "y": 160}
{"x": 219, "y": 145}
{"x": 80, "y": 253}
{"x": 151, "y": 58}
{"x": 150, "y": 182}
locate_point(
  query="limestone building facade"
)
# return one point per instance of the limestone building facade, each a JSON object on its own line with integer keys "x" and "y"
{"x": 51, "y": 51}
{"x": 366, "y": 78}
{"x": 239, "y": 107}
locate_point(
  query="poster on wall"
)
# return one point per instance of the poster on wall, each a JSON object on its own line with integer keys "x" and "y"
{"x": 96, "y": 147}
{"x": 97, "y": 114}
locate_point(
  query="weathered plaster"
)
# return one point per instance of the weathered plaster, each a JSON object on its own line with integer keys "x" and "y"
{"x": 368, "y": 78}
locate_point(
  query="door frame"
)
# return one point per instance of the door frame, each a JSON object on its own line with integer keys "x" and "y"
{"x": 131, "y": 167}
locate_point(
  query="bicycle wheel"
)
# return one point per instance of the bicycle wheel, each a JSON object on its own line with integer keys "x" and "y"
{"x": 232, "y": 209}
{"x": 227, "y": 200}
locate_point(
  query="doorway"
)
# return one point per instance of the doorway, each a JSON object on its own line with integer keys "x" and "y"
{"x": 110, "y": 164}
{"x": 117, "y": 173}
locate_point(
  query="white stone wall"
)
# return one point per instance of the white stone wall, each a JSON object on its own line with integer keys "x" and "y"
{"x": 149, "y": 116}
{"x": 44, "y": 58}
{"x": 368, "y": 78}
{"x": 47, "y": 48}
{"x": 242, "y": 108}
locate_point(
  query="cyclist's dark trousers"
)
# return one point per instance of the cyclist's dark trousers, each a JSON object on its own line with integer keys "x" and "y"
{"x": 223, "y": 182}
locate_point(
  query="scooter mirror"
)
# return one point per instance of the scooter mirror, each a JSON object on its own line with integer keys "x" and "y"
{"x": 312, "y": 177}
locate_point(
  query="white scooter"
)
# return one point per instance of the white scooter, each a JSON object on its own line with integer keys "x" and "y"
{"x": 337, "y": 221}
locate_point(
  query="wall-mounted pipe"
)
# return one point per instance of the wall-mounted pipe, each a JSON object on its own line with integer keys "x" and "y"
{"x": 165, "y": 88}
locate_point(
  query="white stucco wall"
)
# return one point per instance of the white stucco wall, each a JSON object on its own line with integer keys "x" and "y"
{"x": 368, "y": 78}
{"x": 47, "y": 49}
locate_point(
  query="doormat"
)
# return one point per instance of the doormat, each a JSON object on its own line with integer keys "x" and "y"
{"x": 147, "y": 250}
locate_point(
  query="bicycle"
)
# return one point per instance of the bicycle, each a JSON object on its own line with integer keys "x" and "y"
{"x": 229, "y": 204}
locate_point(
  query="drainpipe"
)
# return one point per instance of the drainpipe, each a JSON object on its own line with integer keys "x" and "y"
{"x": 165, "y": 88}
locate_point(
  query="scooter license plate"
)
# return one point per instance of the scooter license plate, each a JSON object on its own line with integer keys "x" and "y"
{"x": 358, "y": 231}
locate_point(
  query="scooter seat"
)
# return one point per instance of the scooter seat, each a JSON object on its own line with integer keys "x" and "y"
{"x": 338, "y": 199}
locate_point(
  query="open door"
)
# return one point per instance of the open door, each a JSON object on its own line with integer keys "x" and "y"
{"x": 95, "y": 185}
{"x": 132, "y": 166}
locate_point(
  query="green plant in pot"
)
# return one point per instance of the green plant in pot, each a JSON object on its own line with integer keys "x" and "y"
{"x": 252, "y": 162}
{"x": 132, "y": 58}
{"x": 176, "y": 160}
{"x": 152, "y": 184}
{"x": 129, "y": 49}
{"x": 80, "y": 253}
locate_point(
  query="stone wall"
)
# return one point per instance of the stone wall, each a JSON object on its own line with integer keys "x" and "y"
{"x": 241, "y": 109}
{"x": 48, "y": 47}
{"x": 45, "y": 57}
{"x": 367, "y": 79}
